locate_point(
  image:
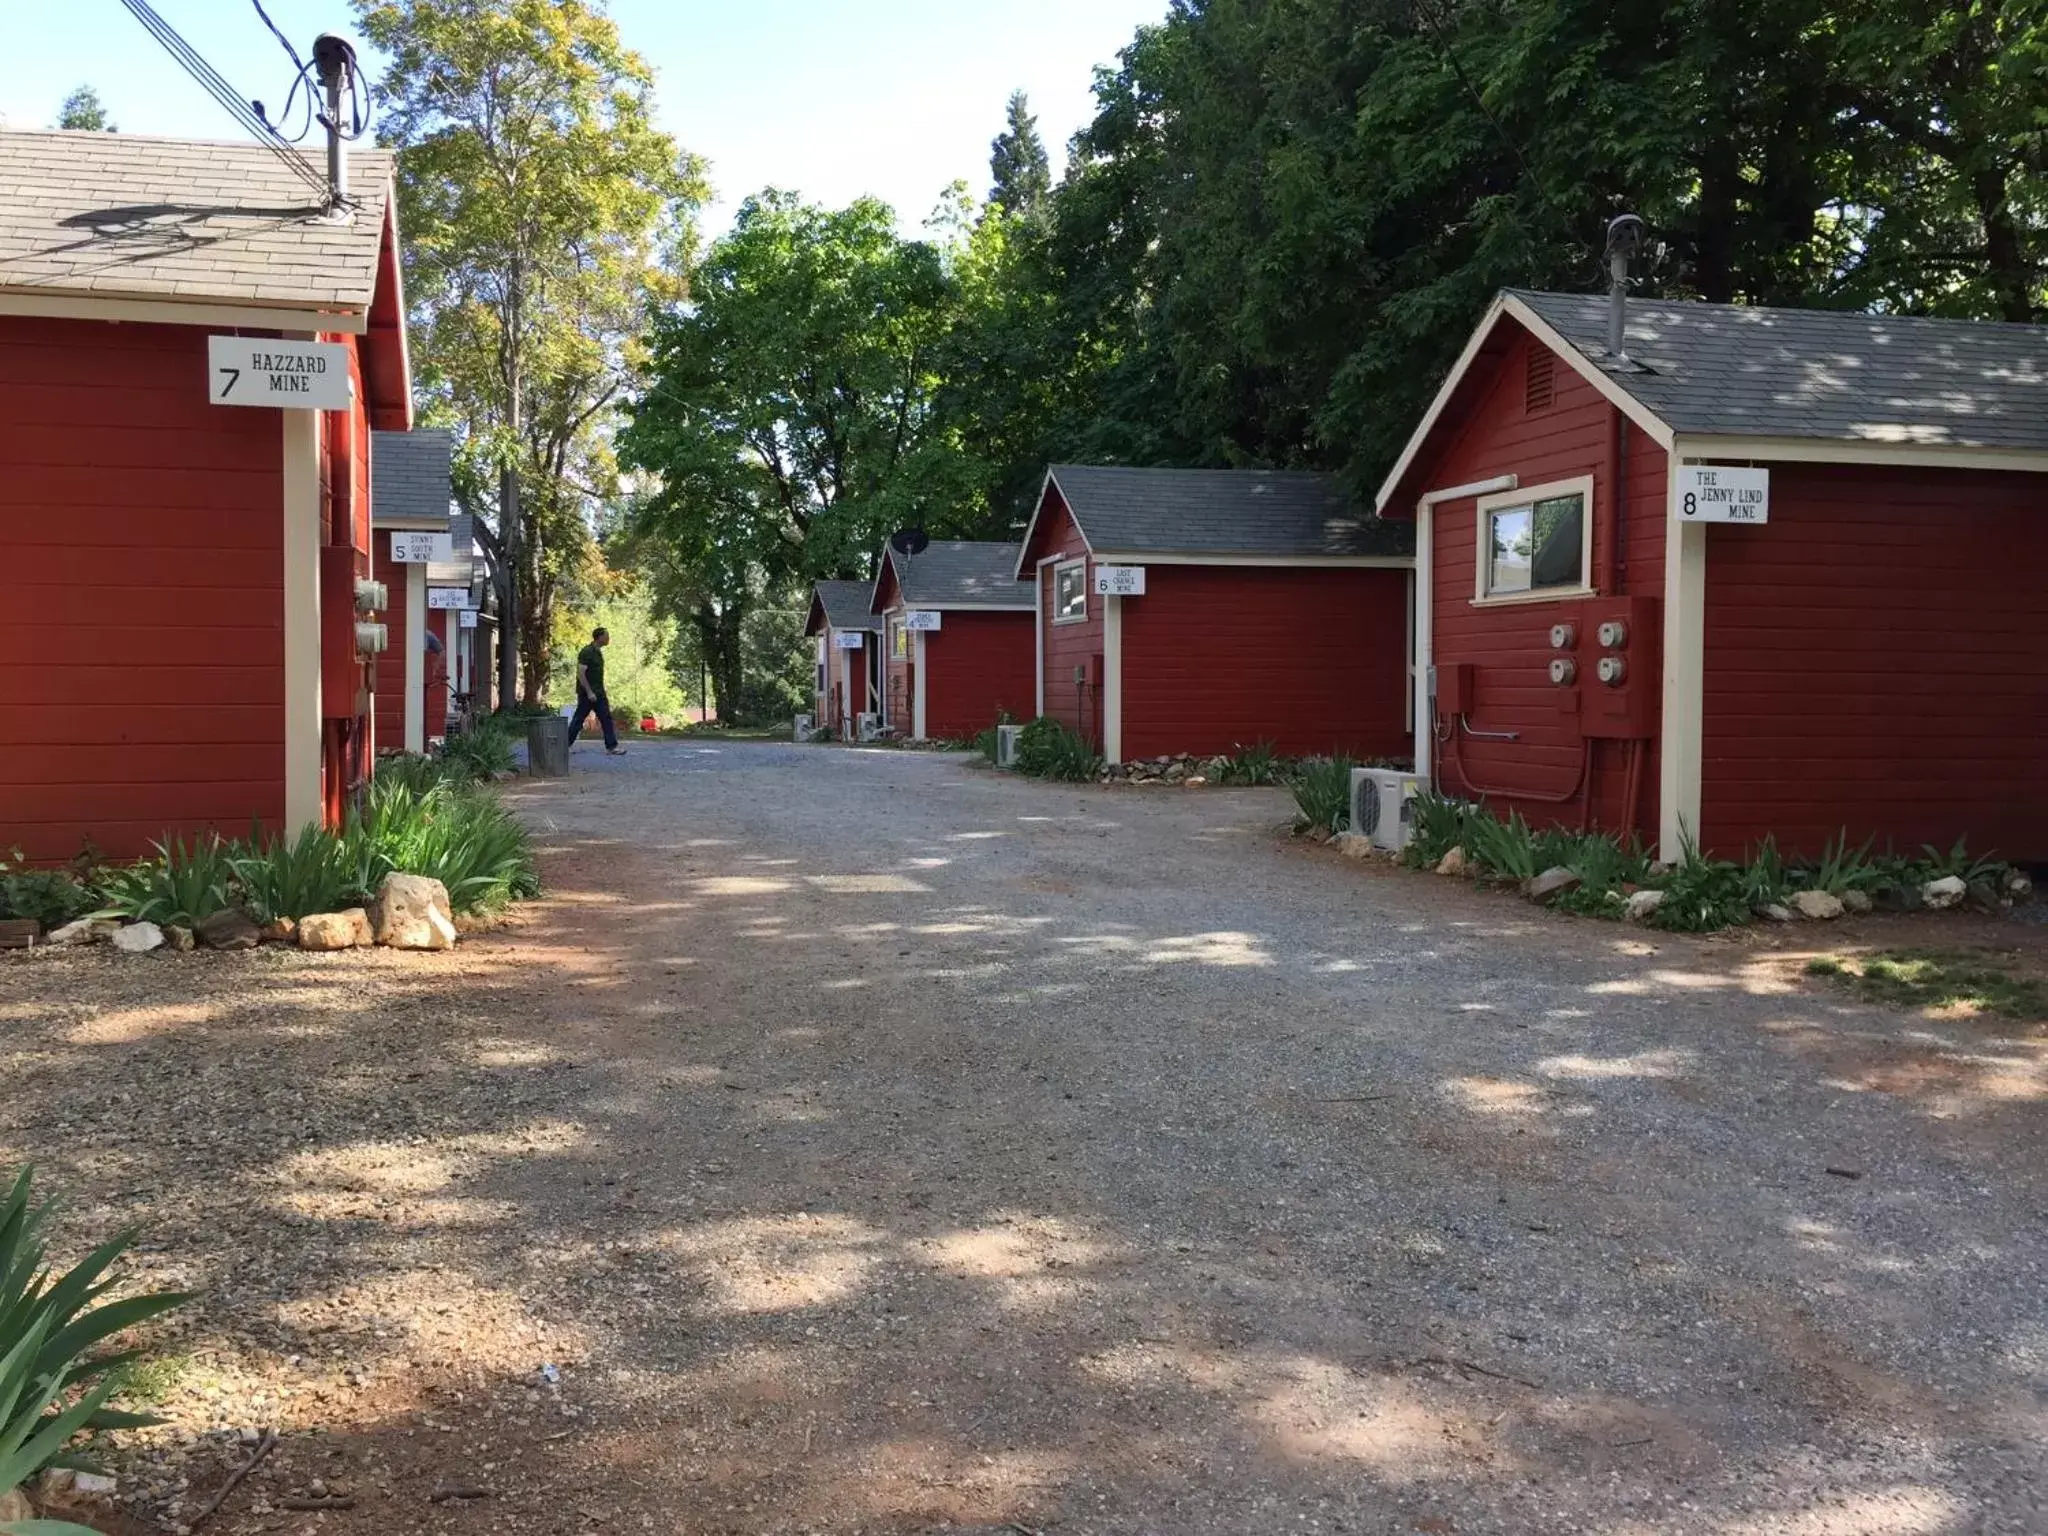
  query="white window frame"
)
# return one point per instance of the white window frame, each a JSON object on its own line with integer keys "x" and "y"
{"x": 1060, "y": 570}
{"x": 1504, "y": 501}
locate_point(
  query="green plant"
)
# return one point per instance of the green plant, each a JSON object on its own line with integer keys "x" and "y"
{"x": 1607, "y": 869}
{"x": 52, "y": 897}
{"x": 456, "y": 833}
{"x": 481, "y": 753}
{"x": 293, "y": 877}
{"x": 1957, "y": 862}
{"x": 1047, "y": 749}
{"x": 1765, "y": 880}
{"x": 182, "y": 884}
{"x": 1701, "y": 894}
{"x": 408, "y": 768}
{"x": 1258, "y": 763}
{"x": 1842, "y": 868}
{"x": 1436, "y": 826}
{"x": 1322, "y": 794}
{"x": 55, "y": 1381}
{"x": 1508, "y": 848}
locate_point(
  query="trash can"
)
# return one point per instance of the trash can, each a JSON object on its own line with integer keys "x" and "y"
{"x": 547, "y": 746}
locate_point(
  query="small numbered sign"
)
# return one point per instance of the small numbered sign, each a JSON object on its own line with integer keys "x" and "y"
{"x": 1120, "y": 580}
{"x": 847, "y": 639}
{"x": 408, "y": 548}
{"x": 254, "y": 370}
{"x": 466, "y": 619}
{"x": 923, "y": 618}
{"x": 1718, "y": 493}
{"x": 449, "y": 597}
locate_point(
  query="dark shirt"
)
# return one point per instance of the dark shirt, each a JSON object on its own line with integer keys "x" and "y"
{"x": 591, "y": 660}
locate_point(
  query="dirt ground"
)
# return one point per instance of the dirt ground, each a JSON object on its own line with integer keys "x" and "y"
{"x": 860, "y": 1141}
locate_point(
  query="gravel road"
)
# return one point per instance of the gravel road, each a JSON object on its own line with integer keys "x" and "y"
{"x": 862, "y": 1141}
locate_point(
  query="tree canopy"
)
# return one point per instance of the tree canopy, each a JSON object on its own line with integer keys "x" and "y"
{"x": 83, "y": 109}
{"x": 1021, "y": 172}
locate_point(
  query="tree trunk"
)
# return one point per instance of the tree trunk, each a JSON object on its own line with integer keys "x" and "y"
{"x": 718, "y": 635}
{"x": 2005, "y": 251}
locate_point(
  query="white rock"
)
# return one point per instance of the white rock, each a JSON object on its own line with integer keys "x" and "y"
{"x": 139, "y": 938}
{"x": 1821, "y": 906}
{"x": 1858, "y": 901}
{"x": 1946, "y": 892}
{"x": 2018, "y": 884}
{"x": 95, "y": 1483}
{"x": 412, "y": 912}
{"x": 1353, "y": 845}
{"x": 1778, "y": 913}
{"x": 1453, "y": 863}
{"x": 336, "y": 930}
{"x": 1642, "y": 903}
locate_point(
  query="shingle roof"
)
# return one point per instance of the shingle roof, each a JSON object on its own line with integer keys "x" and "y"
{"x": 958, "y": 572}
{"x": 1249, "y": 512}
{"x": 123, "y": 215}
{"x": 1723, "y": 369}
{"x": 409, "y": 477}
{"x": 846, "y": 604}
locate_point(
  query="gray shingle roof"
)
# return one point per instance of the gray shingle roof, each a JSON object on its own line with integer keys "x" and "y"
{"x": 846, "y": 604}
{"x": 409, "y": 478}
{"x": 958, "y": 572}
{"x": 1249, "y": 512}
{"x": 124, "y": 215}
{"x": 1732, "y": 370}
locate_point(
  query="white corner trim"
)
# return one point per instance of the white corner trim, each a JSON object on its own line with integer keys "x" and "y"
{"x": 1424, "y": 643}
{"x": 141, "y": 311}
{"x": 416, "y": 658}
{"x": 917, "y": 680}
{"x": 1113, "y": 679}
{"x": 1038, "y": 630}
{"x": 302, "y": 717}
{"x": 1580, "y": 486}
{"x": 1681, "y": 741}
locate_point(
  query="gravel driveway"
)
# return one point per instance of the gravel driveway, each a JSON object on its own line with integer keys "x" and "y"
{"x": 861, "y": 1141}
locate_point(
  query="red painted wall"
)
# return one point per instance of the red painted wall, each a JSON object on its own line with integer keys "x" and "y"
{"x": 1312, "y": 660}
{"x": 437, "y": 671}
{"x": 142, "y": 633}
{"x": 1067, "y": 646}
{"x": 1509, "y": 645}
{"x": 846, "y": 677}
{"x": 978, "y": 666}
{"x": 1875, "y": 659}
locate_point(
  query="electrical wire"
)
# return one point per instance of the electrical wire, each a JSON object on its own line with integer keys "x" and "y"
{"x": 210, "y": 80}
{"x": 1425, "y": 10}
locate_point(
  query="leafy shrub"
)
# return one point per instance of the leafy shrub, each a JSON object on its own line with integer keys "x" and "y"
{"x": 1322, "y": 794}
{"x": 458, "y": 834}
{"x": 182, "y": 884}
{"x": 1842, "y": 868}
{"x": 1505, "y": 848}
{"x": 52, "y": 897}
{"x": 1607, "y": 869}
{"x": 1047, "y": 749}
{"x": 1957, "y": 862}
{"x": 1258, "y": 763}
{"x": 1765, "y": 880}
{"x": 985, "y": 742}
{"x": 1702, "y": 894}
{"x": 294, "y": 877}
{"x": 55, "y": 1380}
{"x": 481, "y": 753}
{"x": 408, "y": 768}
{"x": 1436, "y": 826}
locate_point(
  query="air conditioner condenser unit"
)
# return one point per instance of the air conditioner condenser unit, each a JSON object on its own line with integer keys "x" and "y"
{"x": 1381, "y": 805}
{"x": 1007, "y": 737}
{"x": 801, "y": 729}
{"x": 868, "y": 727}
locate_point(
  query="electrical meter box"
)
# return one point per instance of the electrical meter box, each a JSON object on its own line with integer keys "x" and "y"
{"x": 1451, "y": 686}
{"x": 1620, "y": 681}
{"x": 344, "y": 678}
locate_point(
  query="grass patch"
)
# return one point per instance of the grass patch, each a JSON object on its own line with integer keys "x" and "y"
{"x": 1937, "y": 979}
{"x": 152, "y": 1381}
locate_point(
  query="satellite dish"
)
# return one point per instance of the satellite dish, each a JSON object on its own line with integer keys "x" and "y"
{"x": 910, "y": 541}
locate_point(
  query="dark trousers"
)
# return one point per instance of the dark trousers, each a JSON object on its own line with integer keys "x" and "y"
{"x": 585, "y": 708}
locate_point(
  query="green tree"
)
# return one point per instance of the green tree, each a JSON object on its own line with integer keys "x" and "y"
{"x": 542, "y": 212}
{"x": 84, "y": 109}
{"x": 787, "y": 424}
{"x": 1017, "y": 162}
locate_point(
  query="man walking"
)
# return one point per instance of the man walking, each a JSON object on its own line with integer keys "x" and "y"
{"x": 590, "y": 696}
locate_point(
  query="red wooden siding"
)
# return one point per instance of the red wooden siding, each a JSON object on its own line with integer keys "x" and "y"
{"x": 1067, "y": 646}
{"x": 437, "y": 671}
{"x": 1311, "y": 660}
{"x": 1508, "y": 646}
{"x": 1875, "y": 659}
{"x": 897, "y": 700}
{"x": 388, "y": 672}
{"x": 845, "y": 678}
{"x": 977, "y": 666}
{"x": 142, "y": 637}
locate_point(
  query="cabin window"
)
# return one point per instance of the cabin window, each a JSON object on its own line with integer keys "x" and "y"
{"x": 899, "y": 640}
{"x": 1536, "y": 543}
{"x": 1070, "y": 592}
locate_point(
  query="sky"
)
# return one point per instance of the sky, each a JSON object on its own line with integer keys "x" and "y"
{"x": 829, "y": 98}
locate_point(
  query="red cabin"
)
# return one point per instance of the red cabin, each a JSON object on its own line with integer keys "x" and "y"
{"x": 1768, "y": 572}
{"x": 184, "y": 579}
{"x": 957, "y": 624}
{"x": 416, "y": 559}
{"x": 1197, "y": 610}
{"x": 849, "y": 662}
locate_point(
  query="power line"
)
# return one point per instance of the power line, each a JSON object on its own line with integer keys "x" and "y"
{"x": 1449, "y": 54}
{"x": 210, "y": 80}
